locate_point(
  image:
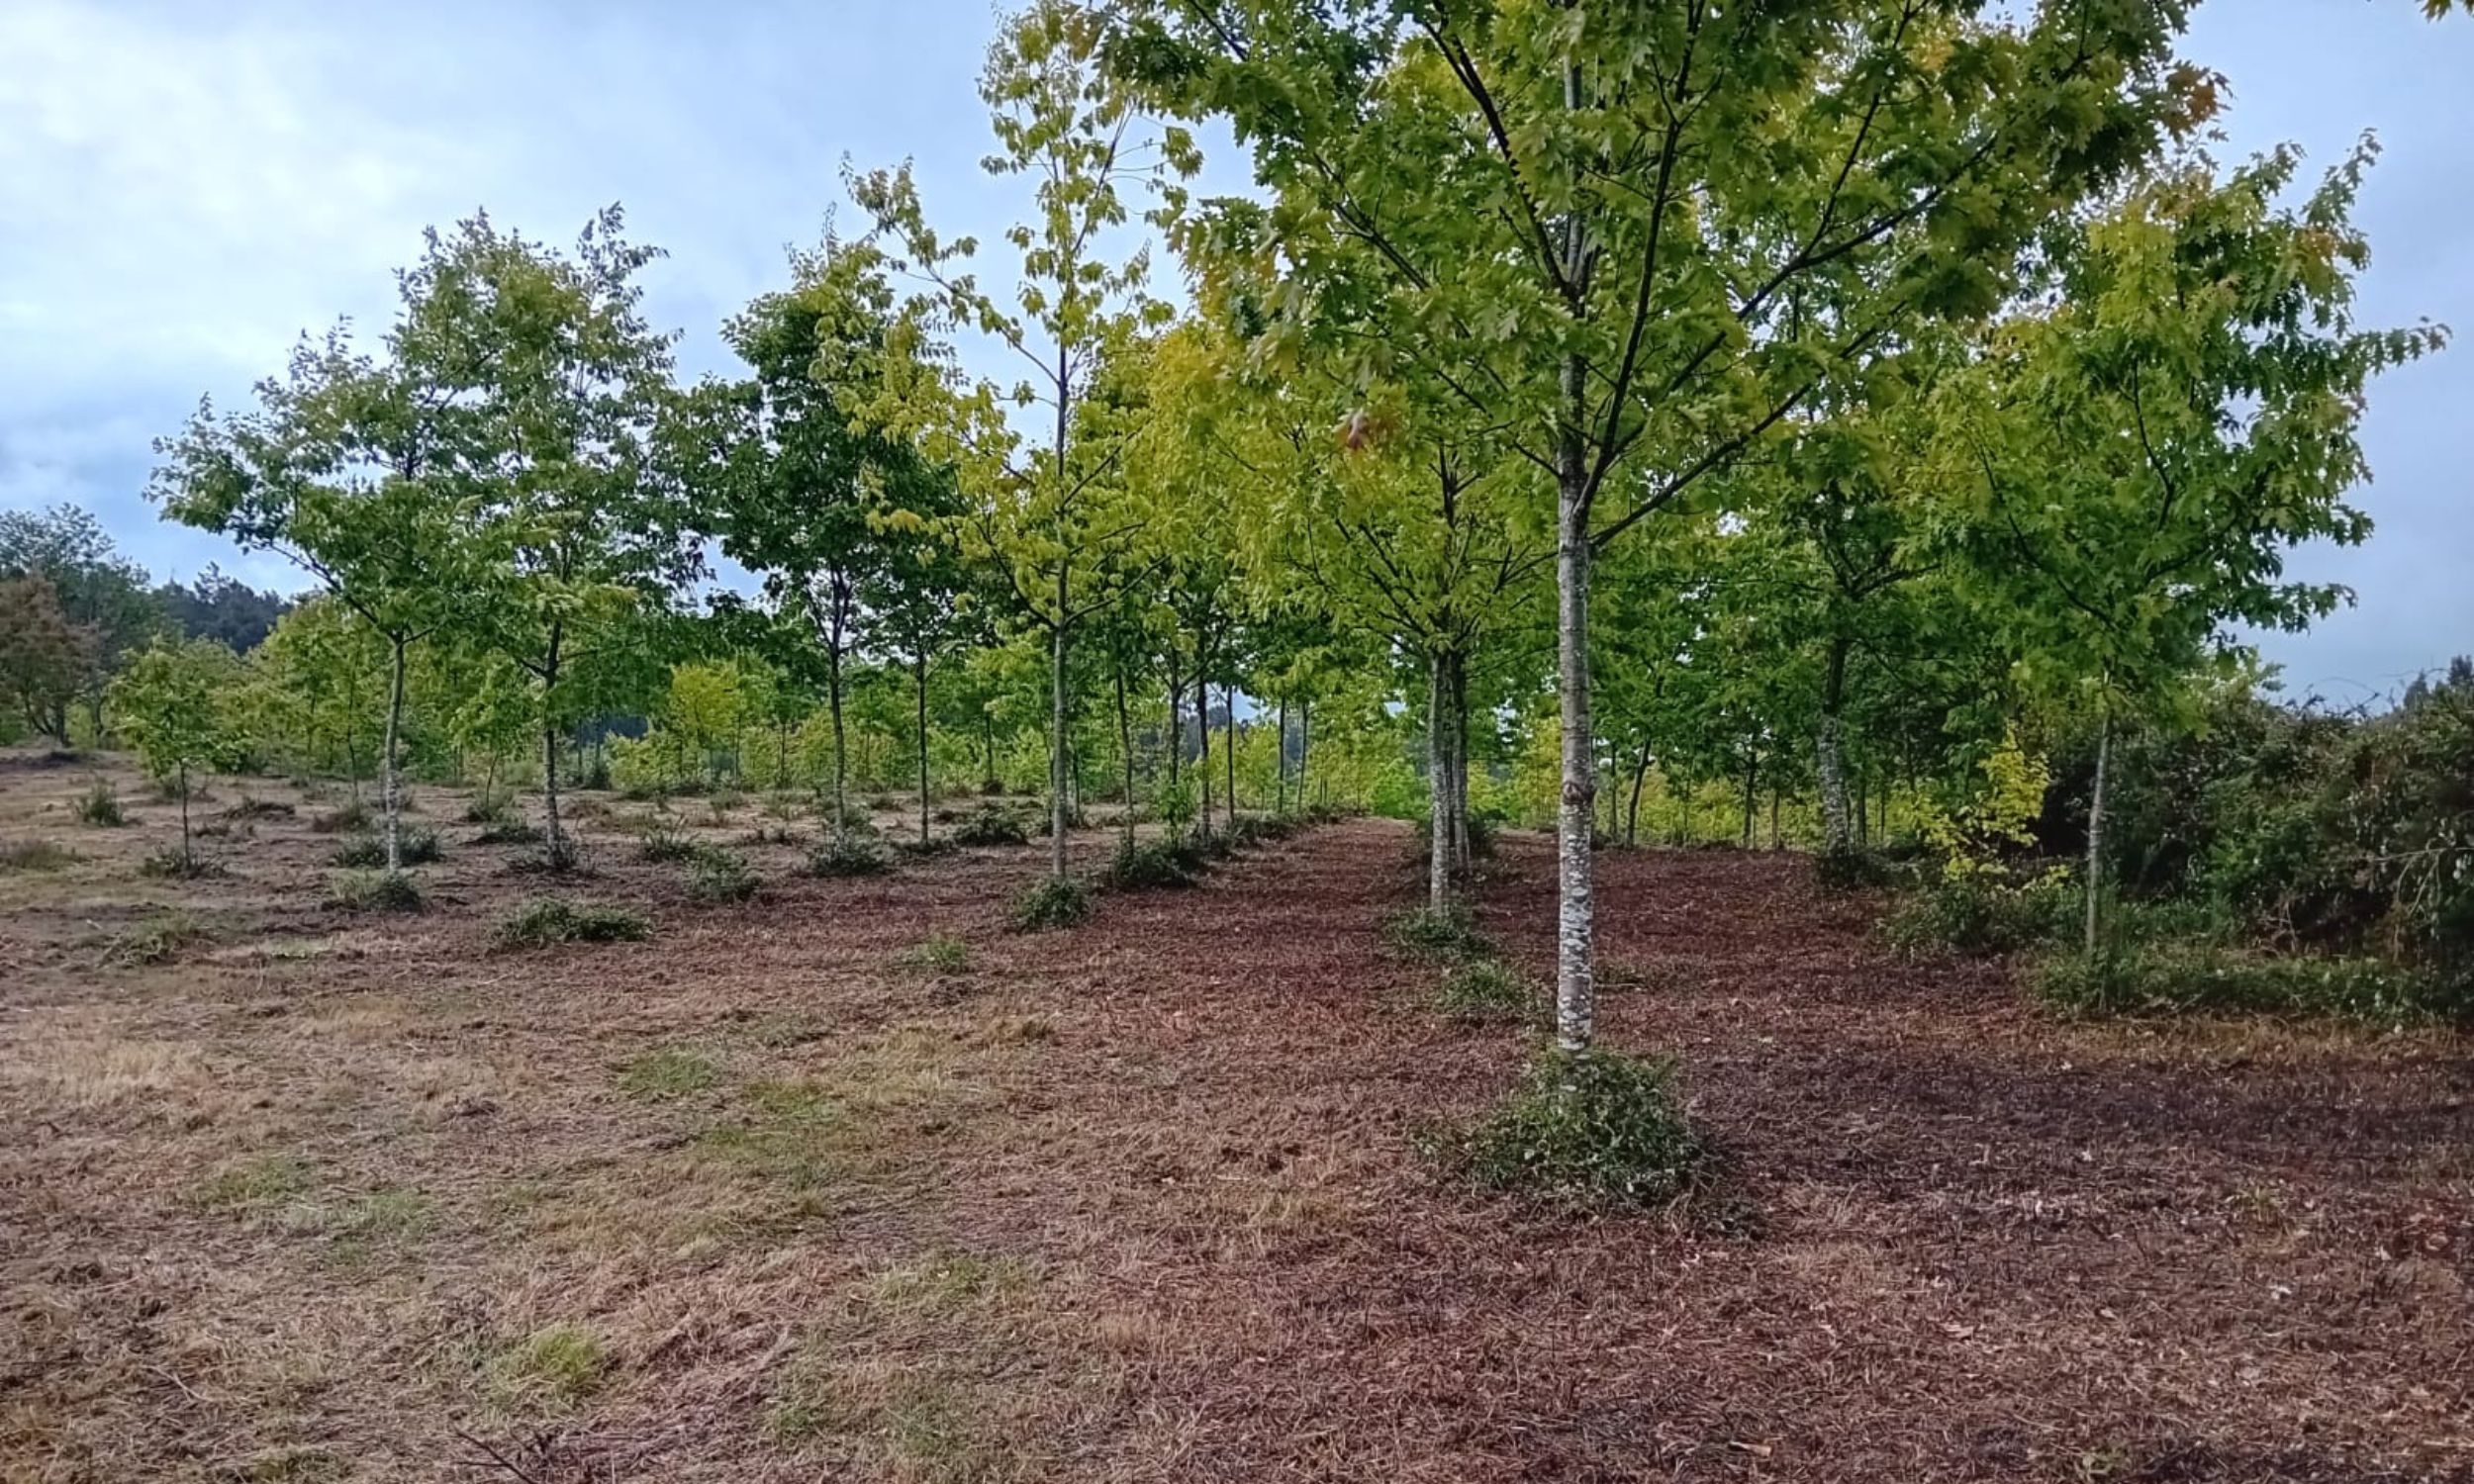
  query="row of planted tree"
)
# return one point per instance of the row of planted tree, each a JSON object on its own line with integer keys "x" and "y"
{"x": 1821, "y": 396}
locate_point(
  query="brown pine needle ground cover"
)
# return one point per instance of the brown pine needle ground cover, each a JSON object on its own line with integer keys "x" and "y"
{"x": 312, "y": 1194}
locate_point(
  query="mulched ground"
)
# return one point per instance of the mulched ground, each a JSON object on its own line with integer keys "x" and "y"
{"x": 1140, "y": 1201}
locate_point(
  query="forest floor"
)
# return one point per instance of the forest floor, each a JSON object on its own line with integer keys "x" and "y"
{"x": 288, "y": 1194}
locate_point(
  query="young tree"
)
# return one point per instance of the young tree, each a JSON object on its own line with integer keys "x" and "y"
{"x": 99, "y": 592}
{"x": 44, "y": 659}
{"x": 1597, "y": 226}
{"x": 169, "y": 704}
{"x": 1047, "y": 519}
{"x": 2147, "y": 447}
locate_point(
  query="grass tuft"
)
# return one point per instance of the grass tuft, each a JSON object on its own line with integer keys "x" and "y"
{"x": 1145, "y": 863}
{"x": 1593, "y": 1126}
{"x": 100, "y": 805}
{"x": 1451, "y": 933}
{"x": 37, "y": 855}
{"x": 364, "y": 852}
{"x": 667, "y": 1072}
{"x": 1052, "y": 902}
{"x": 375, "y": 891}
{"x": 938, "y": 952}
{"x": 354, "y": 815}
{"x": 153, "y": 939}
{"x": 851, "y": 855}
{"x": 665, "y": 843}
{"x": 548, "y": 1372}
{"x": 1487, "y": 992}
{"x": 991, "y": 824}
{"x": 548, "y": 920}
{"x": 717, "y": 877}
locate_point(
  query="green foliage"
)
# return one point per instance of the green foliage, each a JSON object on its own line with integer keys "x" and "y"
{"x": 545, "y": 921}
{"x": 1595, "y": 1126}
{"x": 419, "y": 844}
{"x": 100, "y": 805}
{"x": 153, "y": 939}
{"x": 1451, "y": 933}
{"x": 664, "y": 843}
{"x": 490, "y": 806}
{"x": 718, "y": 876}
{"x": 1982, "y": 912}
{"x": 938, "y": 952}
{"x": 509, "y": 832}
{"x": 991, "y": 823}
{"x": 550, "y": 1372}
{"x": 46, "y": 660}
{"x": 2167, "y": 978}
{"x": 1488, "y": 990}
{"x": 375, "y": 891}
{"x": 1052, "y": 902}
{"x": 847, "y": 855}
{"x": 1141, "y": 864}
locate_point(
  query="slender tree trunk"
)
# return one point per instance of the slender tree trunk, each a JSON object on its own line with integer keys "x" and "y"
{"x": 1778, "y": 800}
{"x": 1203, "y": 751}
{"x": 561, "y": 852}
{"x": 833, "y": 703}
{"x": 1575, "y": 969}
{"x": 1456, "y": 677}
{"x": 2096, "y": 830}
{"x": 1280, "y": 764}
{"x": 920, "y": 674}
{"x": 1305, "y": 745}
{"x": 188, "y": 852}
{"x": 1057, "y": 740}
{"x": 1228, "y": 698}
{"x": 1438, "y": 791}
{"x": 1177, "y": 718}
{"x": 1834, "y": 837}
{"x": 1631, "y": 815}
{"x": 1126, "y": 745}
{"x": 390, "y": 774}
{"x": 988, "y": 740}
{"x": 1751, "y": 790}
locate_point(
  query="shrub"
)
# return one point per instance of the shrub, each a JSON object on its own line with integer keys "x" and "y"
{"x": 1854, "y": 868}
{"x": 375, "y": 891}
{"x": 509, "y": 831}
{"x": 1052, "y": 902}
{"x": 1595, "y": 1126}
{"x": 100, "y": 805}
{"x": 175, "y": 864}
{"x": 249, "y": 807}
{"x": 939, "y": 953}
{"x": 1980, "y": 914}
{"x": 1450, "y": 933}
{"x": 770, "y": 834}
{"x": 369, "y": 851}
{"x": 153, "y": 940}
{"x": 850, "y": 855}
{"x": 719, "y": 875}
{"x": 36, "y": 855}
{"x": 991, "y": 824}
{"x": 490, "y": 806}
{"x": 354, "y": 815}
{"x": 665, "y": 843}
{"x": 1141, "y": 864}
{"x": 1488, "y": 990}
{"x": 548, "y": 920}
{"x": 2202, "y": 979}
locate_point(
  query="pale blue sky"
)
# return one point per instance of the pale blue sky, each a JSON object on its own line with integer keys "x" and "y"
{"x": 185, "y": 187}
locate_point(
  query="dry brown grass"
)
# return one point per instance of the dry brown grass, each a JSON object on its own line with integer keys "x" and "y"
{"x": 310, "y": 1198}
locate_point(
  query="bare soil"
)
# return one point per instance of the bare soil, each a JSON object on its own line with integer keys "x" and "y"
{"x": 323, "y": 1195}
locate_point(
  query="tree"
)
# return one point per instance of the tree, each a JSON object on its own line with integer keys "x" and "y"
{"x": 97, "y": 591}
{"x": 2149, "y": 445}
{"x": 1598, "y": 227}
{"x": 1047, "y": 523}
{"x": 218, "y": 606}
{"x": 168, "y": 703}
{"x": 44, "y": 660}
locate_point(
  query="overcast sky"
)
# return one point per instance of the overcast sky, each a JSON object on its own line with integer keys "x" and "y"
{"x": 185, "y": 187}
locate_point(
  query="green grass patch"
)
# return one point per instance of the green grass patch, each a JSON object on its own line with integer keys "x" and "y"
{"x": 375, "y": 891}
{"x": 2185, "y": 978}
{"x": 419, "y": 847}
{"x": 548, "y": 1372}
{"x": 849, "y": 854}
{"x": 991, "y": 824}
{"x": 254, "y": 1183}
{"x": 1428, "y": 933}
{"x": 938, "y": 952}
{"x": 153, "y": 940}
{"x": 717, "y": 877}
{"x": 666, "y": 1074}
{"x": 1590, "y": 1127}
{"x": 1487, "y": 992}
{"x": 548, "y": 920}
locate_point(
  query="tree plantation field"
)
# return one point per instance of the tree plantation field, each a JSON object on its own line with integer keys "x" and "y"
{"x": 851, "y": 1182}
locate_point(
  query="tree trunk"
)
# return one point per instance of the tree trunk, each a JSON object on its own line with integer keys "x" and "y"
{"x": 1228, "y": 698}
{"x": 1575, "y": 970}
{"x": 921, "y": 672}
{"x": 1177, "y": 718}
{"x": 1751, "y": 790}
{"x": 1305, "y": 741}
{"x": 2096, "y": 829}
{"x": 1631, "y": 815}
{"x": 1778, "y": 800}
{"x": 1835, "y": 839}
{"x": 188, "y": 853}
{"x": 1203, "y": 753}
{"x": 1280, "y": 763}
{"x": 834, "y": 702}
{"x": 1456, "y": 679}
{"x": 1438, "y": 792}
{"x": 561, "y": 852}
{"x": 390, "y": 776}
{"x": 1057, "y": 738}
{"x": 1126, "y": 745}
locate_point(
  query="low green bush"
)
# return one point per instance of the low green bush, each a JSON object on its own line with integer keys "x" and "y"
{"x": 490, "y": 806}
{"x": 1143, "y": 864}
{"x": 1052, "y": 902}
{"x": 100, "y": 805}
{"x": 1487, "y": 992}
{"x": 548, "y": 920}
{"x": 849, "y": 854}
{"x": 1451, "y": 933}
{"x": 938, "y": 952}
{"x": 1982, "y": 913}
{"x": 715, "y": 876}
{"x": 508, "y": 831}
{"x": 991, "y": 824}
{"x": 1595, "y": 1126}
{"x": 665, "y": 843}
{"x": 2182, "y": 979}
{"x": 419, "y": 845}
{"x": 351, "y": 815}
{"x": 375, "y": 891}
